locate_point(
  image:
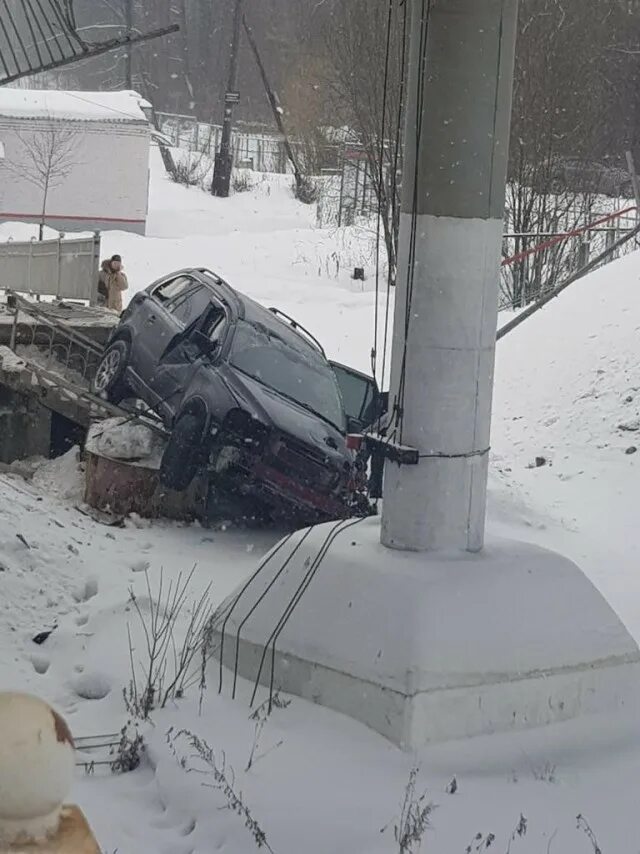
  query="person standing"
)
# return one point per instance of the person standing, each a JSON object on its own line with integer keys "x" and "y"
{"x": 112, "y": 281}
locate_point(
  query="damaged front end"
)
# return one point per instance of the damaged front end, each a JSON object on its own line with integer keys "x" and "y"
{"x": 292, "y": 479}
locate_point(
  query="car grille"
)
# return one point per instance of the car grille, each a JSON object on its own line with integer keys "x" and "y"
{"x": 305, "y": 465}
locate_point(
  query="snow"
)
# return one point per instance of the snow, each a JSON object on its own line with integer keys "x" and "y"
{"x": 565, "y": 381}
{"x": 122, "y": 439}
{"x": 62, "y": 478}
{"x": 9, "y": 362}
{"x": 118, "y": 107}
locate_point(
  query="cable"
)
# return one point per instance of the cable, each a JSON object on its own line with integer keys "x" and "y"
{"x": 395, "y": 218}
{"x": 385, "y": 96}
{"x": 424, "y": 32}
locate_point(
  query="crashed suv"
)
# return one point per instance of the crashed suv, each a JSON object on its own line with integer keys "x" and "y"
{"x": 247, "y": 395}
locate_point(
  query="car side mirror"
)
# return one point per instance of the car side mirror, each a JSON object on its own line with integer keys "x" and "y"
{"x": 354, "y": 425}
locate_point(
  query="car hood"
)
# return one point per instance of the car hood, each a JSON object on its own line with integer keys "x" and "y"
{"x": 284, "y": 415}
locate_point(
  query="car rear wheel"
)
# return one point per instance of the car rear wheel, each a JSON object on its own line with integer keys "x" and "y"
{"x": 109, "y": 381}
{"x": 182, "y": 454}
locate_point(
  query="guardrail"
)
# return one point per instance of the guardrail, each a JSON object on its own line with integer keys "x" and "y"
{"x": 66, "y": 269}
{"x": 534, "y": 270}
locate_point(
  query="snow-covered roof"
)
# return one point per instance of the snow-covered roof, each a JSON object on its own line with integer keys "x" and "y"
{"x": 54, "y": 104}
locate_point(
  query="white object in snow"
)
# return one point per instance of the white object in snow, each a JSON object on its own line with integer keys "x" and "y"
{"x": 426, "y": 647}
{"x": 124, "y": 440}
{"x": 100, "y": 142}
{"x": 36, "y": 769}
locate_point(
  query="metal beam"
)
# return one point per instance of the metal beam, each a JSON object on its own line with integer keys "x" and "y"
{"x": 95, "y": 50}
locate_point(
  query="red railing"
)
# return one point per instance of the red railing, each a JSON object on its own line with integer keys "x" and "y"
{"x": 547, "y": 244}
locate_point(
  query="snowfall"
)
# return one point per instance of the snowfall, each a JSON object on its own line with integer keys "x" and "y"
{"x": 567, "y": 391}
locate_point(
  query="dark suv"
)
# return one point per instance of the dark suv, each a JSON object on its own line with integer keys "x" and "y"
{"x": 246, "y": 392}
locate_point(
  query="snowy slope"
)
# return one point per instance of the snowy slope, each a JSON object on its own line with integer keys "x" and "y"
{"x": 565, "y": 383}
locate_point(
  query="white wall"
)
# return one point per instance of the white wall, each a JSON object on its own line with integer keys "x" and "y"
{"x": 107, "y": 187}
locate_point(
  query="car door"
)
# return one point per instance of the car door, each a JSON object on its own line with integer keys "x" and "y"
{"x": 362, "y": 400}
{"x": 155, "y": 325}
{"x": 194, "y": 312}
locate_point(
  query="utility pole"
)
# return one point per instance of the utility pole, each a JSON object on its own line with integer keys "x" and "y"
{"x": 275, "y": 107}
{"x": 224, "y": 157}
{"x": 455, "y": 165}
{"x": 129, "y": 57}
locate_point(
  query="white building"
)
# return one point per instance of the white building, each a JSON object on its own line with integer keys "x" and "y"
{"x": 82, "y": 158}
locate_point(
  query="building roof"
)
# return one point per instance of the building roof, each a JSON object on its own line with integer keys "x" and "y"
{"x": 116, "y": 107}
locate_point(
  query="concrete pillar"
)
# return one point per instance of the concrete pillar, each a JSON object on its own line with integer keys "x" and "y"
{"x": 25, "y": 427}
{"x": 456, "y": 151}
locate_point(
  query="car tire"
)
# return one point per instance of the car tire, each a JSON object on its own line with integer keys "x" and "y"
{"x": 109, "y": 382}
{"x": 180, "y": 460}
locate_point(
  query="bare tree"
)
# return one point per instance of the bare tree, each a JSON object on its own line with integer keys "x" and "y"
{"x": 366, "y": 47}
{"x": 48, "y": 157}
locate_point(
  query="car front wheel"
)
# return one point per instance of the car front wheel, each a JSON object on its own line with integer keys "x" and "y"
{"x": 109, "y": 381}
{"x": 182, "y": 454}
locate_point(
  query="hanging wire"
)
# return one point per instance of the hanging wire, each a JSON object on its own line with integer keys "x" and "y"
{"x": 338, "y": 528}
{"x": 383, "y": 128}
{"x": 260, "y": 599}
{"x": 424, "y": 32}
{"x": 394, "y": 190}
{"x": 234, "y": 603}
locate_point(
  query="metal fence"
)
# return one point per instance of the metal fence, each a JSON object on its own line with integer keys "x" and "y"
{"x": 261, "y": 152}
{"x": 534, "y": 263}
{"x": 348, "y": 195}
{"x": 66, "y": 269}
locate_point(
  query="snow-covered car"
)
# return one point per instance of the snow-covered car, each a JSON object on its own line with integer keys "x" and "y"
{"x": 247, "y": 393}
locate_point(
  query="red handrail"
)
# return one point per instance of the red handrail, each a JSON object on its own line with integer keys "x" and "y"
{"x": 560, "y": 237}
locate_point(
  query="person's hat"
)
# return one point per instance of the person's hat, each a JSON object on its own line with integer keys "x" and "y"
{"x": 116, "y": 258}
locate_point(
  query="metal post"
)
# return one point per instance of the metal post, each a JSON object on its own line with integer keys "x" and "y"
{"x": 224, "y": 157}
{"x": 456, "y": 152}
{"x": 59, "y": 264}
{"x": 584, "y": 252}
{"x": 96, "y": 269}
{"x": 13, "y": 304}
{"x": 634, "y": 180}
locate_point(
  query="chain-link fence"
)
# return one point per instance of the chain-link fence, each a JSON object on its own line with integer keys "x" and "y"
{"x": 261, "y": 152}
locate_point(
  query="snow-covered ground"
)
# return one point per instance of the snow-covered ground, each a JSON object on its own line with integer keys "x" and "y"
{"x": 567, "y": 389}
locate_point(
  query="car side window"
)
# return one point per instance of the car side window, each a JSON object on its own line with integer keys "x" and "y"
{"x": 189, "y": 307}
{"x": 172, "y": 289}
{"x": 216, "y": 324}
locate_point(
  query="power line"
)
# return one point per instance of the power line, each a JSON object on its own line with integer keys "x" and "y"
{"x": 422, "y": 54}
{"x": 385, "y": 95}
{"x": 395, "y": 219}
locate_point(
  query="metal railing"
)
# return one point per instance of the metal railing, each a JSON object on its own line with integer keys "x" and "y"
{"x": 534, "y": 262}
{"x": 65, "y": 269}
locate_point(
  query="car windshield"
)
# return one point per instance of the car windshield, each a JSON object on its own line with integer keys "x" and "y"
{"x": 299, "y": 372}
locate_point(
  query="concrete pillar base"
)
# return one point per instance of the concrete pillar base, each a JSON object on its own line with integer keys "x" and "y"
{"x": 430, "y": 647}
{"x": 74, "y": 836}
